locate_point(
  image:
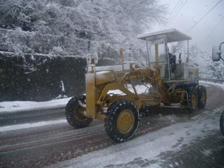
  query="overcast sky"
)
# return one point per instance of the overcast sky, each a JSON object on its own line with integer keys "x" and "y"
{"x": 208, "y": 32}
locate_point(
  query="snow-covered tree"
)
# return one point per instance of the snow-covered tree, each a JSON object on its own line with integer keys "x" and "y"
{"x": 202, "y": 60}
{"x": 42, "y": 26}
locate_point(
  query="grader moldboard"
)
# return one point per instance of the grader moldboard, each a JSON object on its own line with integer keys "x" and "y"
{"x": 169, "y": 83}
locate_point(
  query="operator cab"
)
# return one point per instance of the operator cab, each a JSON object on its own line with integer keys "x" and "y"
{"x": 161, "y": 54}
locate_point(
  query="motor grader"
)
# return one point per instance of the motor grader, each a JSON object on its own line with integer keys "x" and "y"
{"x": 164, "y": 84}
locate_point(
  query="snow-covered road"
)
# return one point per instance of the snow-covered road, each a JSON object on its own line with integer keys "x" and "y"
{"x": 157, "y": 142}
{"x": 147, "y": 150}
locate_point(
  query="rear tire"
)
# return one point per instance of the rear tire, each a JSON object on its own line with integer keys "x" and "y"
{"x": 222, "y": 123}
{"x": 192, "y": 100}
{"x": 202, "y": 97}
{"x": 74, "y": 113}
{"x": 122, "y": 120}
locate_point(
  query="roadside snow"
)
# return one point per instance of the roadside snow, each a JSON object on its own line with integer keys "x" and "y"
{"x": 17, "y": 106}
{"x": 31, "y": 125}
{"x": 221, "y": 85}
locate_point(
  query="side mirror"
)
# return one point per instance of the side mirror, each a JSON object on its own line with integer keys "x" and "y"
{"x": 216, "y": 53}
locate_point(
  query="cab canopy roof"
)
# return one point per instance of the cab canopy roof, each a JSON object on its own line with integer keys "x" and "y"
{"x": 172, "y": 35}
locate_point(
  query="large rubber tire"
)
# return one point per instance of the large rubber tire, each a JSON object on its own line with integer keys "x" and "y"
{"x": 122, "y": 120}
{"x": 222, "y": 123}
{"x": 202, "y": 97}
{"x": 192, "y": 100}
{"x": 74, "y": 113}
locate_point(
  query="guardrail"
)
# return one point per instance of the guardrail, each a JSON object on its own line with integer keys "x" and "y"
{"x": 212, "y": 80}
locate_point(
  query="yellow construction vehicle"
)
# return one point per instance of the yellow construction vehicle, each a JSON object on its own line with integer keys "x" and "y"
{"x": 164, "y": 80}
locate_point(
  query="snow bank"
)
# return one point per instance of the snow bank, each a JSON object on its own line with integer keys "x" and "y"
{"x": 17, "y": 106}
{"x": 31, "y": 125}
{"x": 221, "y": 85}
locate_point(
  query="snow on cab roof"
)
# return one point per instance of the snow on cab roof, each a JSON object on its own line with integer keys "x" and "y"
{"x": 172, "y": 35}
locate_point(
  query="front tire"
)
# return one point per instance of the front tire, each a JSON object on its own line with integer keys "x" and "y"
{"x": 202, "y": 97}
{"x": 222, "y": 123}
{"x": 192, "y": 99}
{"x": 74, "y": 113}
{"x": 122, "y": 120}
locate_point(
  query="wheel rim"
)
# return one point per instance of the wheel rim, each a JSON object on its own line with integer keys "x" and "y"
{"x": 203, "y": 98}
{"x": 125, "y": 121}
{"x": 194, "y": 101}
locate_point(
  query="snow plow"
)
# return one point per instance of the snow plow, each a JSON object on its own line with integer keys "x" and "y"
{"x": 216, "y": 56}
{"x": 164, "y": 80}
